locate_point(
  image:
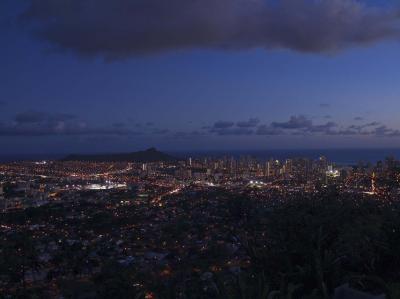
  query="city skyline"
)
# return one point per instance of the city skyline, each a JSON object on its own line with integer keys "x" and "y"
{"x": 69, "y": 84}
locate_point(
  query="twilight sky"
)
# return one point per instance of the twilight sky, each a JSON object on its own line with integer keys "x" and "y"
{"x": 122, "y": 75}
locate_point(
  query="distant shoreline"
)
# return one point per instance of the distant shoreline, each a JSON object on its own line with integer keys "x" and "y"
{"x": 337, "y": 156}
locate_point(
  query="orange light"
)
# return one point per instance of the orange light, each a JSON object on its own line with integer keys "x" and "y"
{"x": 149, "y": 295}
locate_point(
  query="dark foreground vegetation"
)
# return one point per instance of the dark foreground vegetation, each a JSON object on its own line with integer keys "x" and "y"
{"x": 216, "y": 245}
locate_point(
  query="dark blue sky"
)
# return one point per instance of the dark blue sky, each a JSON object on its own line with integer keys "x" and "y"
{"x": 117, "y": 77}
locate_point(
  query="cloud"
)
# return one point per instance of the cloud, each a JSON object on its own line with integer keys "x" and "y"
{"x": 269, "y": 131}
{"x": 31, "y": 117}
{"x": 34, "y": 123}
{"x": 63, "y": 130}
{"x": 251, "y": 123}
{"x": 233, "y": 131}
{"x": 295, "y": 122}
{"x": 323, "y": 128}
{"x": 372, "y": 124}
{"x": 187, "y": 135}
{"x": 358, "y": 118}
{"x": 374, "y": 129}
{"x": 228, "y": 127}
{"x": 301, "y": 125}
{"x": 360, "y": 128}
{"x": 384, "y": 131}
{"x": 160, "y": 131}
{"x": 119, "y": 125}
{"x": 223, "y": 124}
{"x": 120, "y": 28}
{"x": 100, "y": 139}
{"x": 324, "y": 105}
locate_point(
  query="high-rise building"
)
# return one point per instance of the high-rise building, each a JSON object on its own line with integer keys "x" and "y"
{"x": 267, "y": 169}
{"x": 322, "y": 164}
{"x": 272, "y": 168}
{"x": 288, "y": 166}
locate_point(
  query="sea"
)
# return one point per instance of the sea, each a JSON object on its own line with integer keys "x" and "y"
{"x": 337, "y": 156}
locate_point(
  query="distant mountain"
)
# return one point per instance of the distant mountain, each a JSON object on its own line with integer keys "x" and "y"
{"x": 149, "y": 155}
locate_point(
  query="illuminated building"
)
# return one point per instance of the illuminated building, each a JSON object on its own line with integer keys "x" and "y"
{"x": 373, "y": 183}
{"x": 1, "y": 192}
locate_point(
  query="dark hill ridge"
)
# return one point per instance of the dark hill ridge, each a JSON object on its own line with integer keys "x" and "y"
{"x": 149, "y": 155}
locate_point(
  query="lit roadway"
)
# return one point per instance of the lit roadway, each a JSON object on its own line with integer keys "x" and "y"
{"x": 158, "y": 199}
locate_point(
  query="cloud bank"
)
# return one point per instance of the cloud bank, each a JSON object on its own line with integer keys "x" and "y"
{"x": 36, "y": 123}
{"x": 302, "y": 125}
{"x": 123, "y": 28}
